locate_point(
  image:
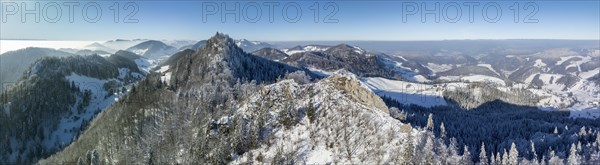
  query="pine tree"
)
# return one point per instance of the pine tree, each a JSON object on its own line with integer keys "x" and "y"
{"x": 442, "y": 152}
{"x": 598, "y": 140}
{"x": 94, "y": 159}
{"x": 483, "y": 160}
{"x": 407, "y": 155}
{"x": 543, "y": 160}
{"x": 453, "y": 147}
{"x": 505, "y": 157}
{"x": 442, "y": 131}
{"x": 553, "y": 159}
{"x": 466, "y": 158}
{"x": 73, "y": 86}
{"x": 430, "y": 122}
{"x": 513, "y": 158}
{"x": 574, "y": 158}
{"x": 582, "y": 132}
{"x": 310, "y": 112}
{"x": 534, "y": 154}
{"x": 428, "y": 150}
{"x": 80, "y": 161}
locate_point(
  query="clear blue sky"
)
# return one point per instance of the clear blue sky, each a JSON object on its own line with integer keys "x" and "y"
{"x": 357, "y": 20}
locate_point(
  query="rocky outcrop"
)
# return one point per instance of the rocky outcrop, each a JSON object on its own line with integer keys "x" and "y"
{"x": 356, "y": 92}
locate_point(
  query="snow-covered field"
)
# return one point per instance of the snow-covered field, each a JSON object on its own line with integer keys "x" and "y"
{"x": 407, "y": 92}
{"x": 436, "y": 68}
{"x": 474, "y": 78}
{"x": 406, "y": 72}
{"x": 483, "y": 78}
{"x": 588, "y": 74}
{"x": 578, "y": 63}
{"x": 582, "y": 99}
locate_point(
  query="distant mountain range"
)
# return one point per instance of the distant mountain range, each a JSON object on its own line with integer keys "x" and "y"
{"x": 162, "y": 49}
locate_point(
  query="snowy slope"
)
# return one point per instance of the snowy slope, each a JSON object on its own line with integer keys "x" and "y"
{"x": 474, "y": 78}
{"x": 407, "y": 73}
{"x": 483, "y": 78}
{"x": 407, "y": 92}
{"x": 313, "y": 141}
{"x": 145, "y": 65}
{"x": 65, "y": 132}
{"x": 438, "y": 67}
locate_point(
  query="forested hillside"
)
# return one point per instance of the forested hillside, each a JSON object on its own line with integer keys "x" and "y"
{"x": 55, "y": 99}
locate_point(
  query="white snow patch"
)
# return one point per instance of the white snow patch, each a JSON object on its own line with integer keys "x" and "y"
{"x": 358, "y": 50}
{"x": 565, "y": 58}
{"x": 483, "y": 78}
{"x": 320, "y": 156}
{"x": 140, "y": 52}
{"x": 163, "y": 69}
{"x": 539, "y": 63}
{"x": 578, "y": 63}
{"x": 489, "y": 67}
{"x": 545, "y": 77}
{"x": 588, "y": 74}
{"x": 402, "y": 58}
{"x": 166, "y": 77}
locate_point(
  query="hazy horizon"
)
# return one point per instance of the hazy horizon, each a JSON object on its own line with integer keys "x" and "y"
{"x": 379, "y": 46}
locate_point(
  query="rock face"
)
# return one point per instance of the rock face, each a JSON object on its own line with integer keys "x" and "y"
{"x": 356, "y": 92}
